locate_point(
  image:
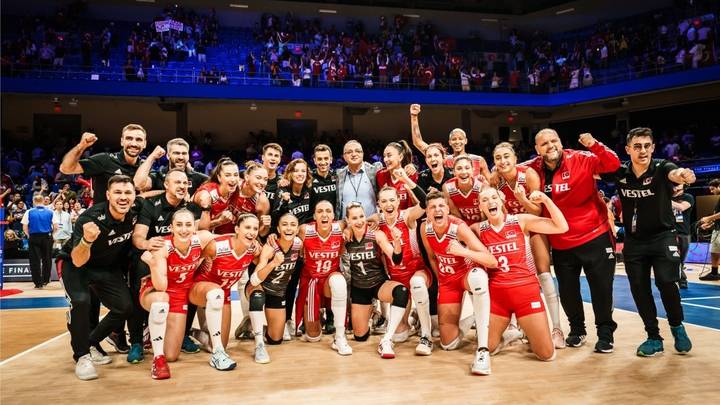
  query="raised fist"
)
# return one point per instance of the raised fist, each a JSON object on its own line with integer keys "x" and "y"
{"x": 90, "y": 231}
{"x": 415, "y": 109}
{"x": 587, "y": 140}
{"x": 157, "y": 153}
{"x": 88, "y": 139}
{"x": 537, "y": 197}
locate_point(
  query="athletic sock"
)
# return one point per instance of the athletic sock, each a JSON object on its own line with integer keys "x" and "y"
{"x": 478, "y": 281}
{"x": 420, "y": 295}
{"x": 551, "y": 298}
{"x": 157, "y": 324}
{"x": 213, "y": 316}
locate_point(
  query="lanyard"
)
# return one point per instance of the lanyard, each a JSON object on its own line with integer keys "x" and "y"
{"x": 356, "y": 188}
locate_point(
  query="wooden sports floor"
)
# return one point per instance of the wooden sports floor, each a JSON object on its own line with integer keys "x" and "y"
{"x": 36, "y": 367}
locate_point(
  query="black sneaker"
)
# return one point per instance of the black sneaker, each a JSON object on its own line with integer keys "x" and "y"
{"x": 603, "y": 346}
{"x": 683, "y": 284}
{"x": 710, "y": 277}
{"x": 328, "y": 329}
{"x": 575, "y": 340}
{"x": 118, "y": 341}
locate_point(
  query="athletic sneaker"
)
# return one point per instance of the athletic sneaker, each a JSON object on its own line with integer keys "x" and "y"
{"x": 604, "y": 346}
{"x": 683, "y": 284}
{"x": 203, "y": 339}
{"x": 287, "y": 335}
{"x": 84, "y": 369}
{"x": 481, "y": 365}
{"x": 682, "y": 341}
{"x": 189, "y": 346}
{"x": 710, "y": 277}
{"x": 385, "y": 349}
{"x": 160, "y": 369}
{"x": 341, "y": 345}
{"x": 328, "y": 328}
{"x": 244, "y": 330}
{"x": 650, "y": 348}
{"x": 118, "y": 341}
{"x": 99, "y": 356}
{"x": 424, "y": 347}
{"x": 135, "y": 354}
{"x": 558, "y": 338}
{"x": 221, "y": 361}
{"x": 401, "y": 337}
{"x": 575, "y": 340}
{"x": 379, "y": 324}
{"x": 512, "y": 334}
{"x": 147, "y": 343}
{"x": 261, "y": 355}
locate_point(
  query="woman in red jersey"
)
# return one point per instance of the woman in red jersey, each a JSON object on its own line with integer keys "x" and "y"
{"x": 164, "y": 294}
{"x": 517, "y": 183}
{"x": 251, "y": 195}
{"x": 514, "y": 287}
{"x": 397, "y": 155}
{"x": 455, "y": 255}
{"x": 216, "y": 194}
{"x": 462, "y": 192}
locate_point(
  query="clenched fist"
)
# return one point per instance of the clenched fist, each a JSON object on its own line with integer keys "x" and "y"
{"x": 538, "y": 197}
{"x": 157, "y": 153}
{"x": 90, "y": 231}
{"x": 415, "y": 109}
{"x": 587, "y": 140}
{"x": 88, "y": 139}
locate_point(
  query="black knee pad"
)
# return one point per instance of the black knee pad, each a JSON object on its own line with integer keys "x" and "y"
{"x": 272, "y": 341}
{"x": 400, "y": 296}
{"x": 257, "y": 300}
{"x": 363, "y": 337}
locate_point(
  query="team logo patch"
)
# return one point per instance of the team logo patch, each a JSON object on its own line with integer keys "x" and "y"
{"x": 510, "y": 235}
{"x": 535, "y": 305}
{"x": 293, "y": 257}
{"x": 623, "y": 181}
{"x": 335, "y": 245}
{"x": 369, "y": 245}
{"x": 565, "y": 175}
{"x": 647, "y": 181}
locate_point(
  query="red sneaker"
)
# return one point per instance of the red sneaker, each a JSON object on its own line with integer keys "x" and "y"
{"x": 160, "y": 369}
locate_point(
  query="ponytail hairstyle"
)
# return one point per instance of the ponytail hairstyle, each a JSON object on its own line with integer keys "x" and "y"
{"x": 251, "y": 166}
{"x": 461, "y": 157}
{"x": 505, "y": 145}
{"x": 439, "y": 147}
{"x": 243, "y": 217}
{"x": 404, "y": 150}
{"x": 215, "y": 174}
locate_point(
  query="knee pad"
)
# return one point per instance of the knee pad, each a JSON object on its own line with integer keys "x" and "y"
{"x": 338, "y": 287}
{"x": 454, "y": 345}
{"x": 363, "y": 337}
{"x": 400, "y": 296}
{"x": 272, "y": 341}
{"x": 257, "y": 300}
{"x": 478, "y": 281}
{"x": 419, "y": 290}
{"x": 215, "y": 298}
{"x": 159, "y": 312}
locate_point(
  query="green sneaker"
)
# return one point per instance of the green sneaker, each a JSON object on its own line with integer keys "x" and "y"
{"x": 189, "y": 346}
{"x": 135, "y": 355}
{"x": 650, "y": 348}
{"x": 682, "y": 341}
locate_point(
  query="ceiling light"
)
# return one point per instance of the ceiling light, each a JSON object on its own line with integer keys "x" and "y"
{"x": 327, "y": 11}
{"x": 238, "y": 5}
{"x": 411, "y": 15}
{"x": 567, "y": 10}
{"x": 489, "y": 20}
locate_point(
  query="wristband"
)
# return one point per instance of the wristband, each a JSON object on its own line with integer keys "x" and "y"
{"x": 255, "y": 280}
{"x": 85, "y": 242}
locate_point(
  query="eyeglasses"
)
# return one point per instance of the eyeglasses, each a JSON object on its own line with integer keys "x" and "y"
{"x": 640, "y": 146}
{"x": 359, "y": 151}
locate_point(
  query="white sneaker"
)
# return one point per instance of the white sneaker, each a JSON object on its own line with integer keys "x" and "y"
{"x": 221, "y": 361}
{"x": 97, "y": 357}
{"x": 558, "y": 338}
{"x": 401, "y": 337}
{"x": 512, "y": 334}
{"x": 385, "y": 349}
{"x": 481, "y": 365}
{"x": 289, "y": 325}
{"x": 244, "y": 330}
{"x": 84, "y": 369}
{"x": 424, "y": 347}
{"x": 203, "y": 338}
{"x": 341, "y": 345}
{"x": 261, "y": 355}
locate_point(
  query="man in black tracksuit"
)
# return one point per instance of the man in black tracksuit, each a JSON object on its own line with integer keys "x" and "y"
{"x": 645, "y": 186}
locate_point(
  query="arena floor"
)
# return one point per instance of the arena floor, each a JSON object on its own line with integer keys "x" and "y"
{"x": 36, "y": 365}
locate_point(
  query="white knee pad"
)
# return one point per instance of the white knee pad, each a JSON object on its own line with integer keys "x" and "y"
{"x": 418, "y": 290}
{"x": 478, "y": 281}
{"x": 215, "y": 299}
{"x": 338, "y": 287}
{"x": 455, "y": 344}
{"x": 159, "y": 312}
{"x": 312, "y": 339}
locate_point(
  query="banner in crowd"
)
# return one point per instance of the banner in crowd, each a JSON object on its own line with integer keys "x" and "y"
{"x": 167, "y": 25}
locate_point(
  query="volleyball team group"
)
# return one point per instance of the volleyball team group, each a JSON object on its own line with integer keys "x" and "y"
{"x": 340, "y": 246}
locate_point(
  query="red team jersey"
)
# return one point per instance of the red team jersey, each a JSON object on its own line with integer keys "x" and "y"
{"x": 450, "y": 267}
{"x": 235, "y": 203}
{"x": 474, "y": 159}
{"x": 467, "y": 204}
{"x": 412, "y": 260}
{"x": 322, "y": 256}
{"x": 511, "y": 248}
{"x": 511, "y": 202}
{"x": 384, "y": 178}
{"x": 227, "y": 268}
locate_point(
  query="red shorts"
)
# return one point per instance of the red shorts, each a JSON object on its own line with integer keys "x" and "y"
{"x": 404, "y": 278}
{"x": 522, "y": 300}
{"x": 451, "y": 291}
{"x": 178, "y": 297}
{"x": 310, "y": 291}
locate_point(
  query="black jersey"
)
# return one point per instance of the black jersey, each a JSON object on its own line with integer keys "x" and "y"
{"x": 100, "y": 167}
{"x": 298, "y": 205}
{"x": 195, "y": 179}
{"x": 277, "y": 281}
{"x": 324, "y": 188}
{"x": 647, "y": 210}
{"x": 156, "y": 213}
{"x": 112, "y": 246}
{"x": 425, "y": 180}
{"x": 682, "y": 218}
{"x": 271, "y": 189}
{"x": 366, "y": 267}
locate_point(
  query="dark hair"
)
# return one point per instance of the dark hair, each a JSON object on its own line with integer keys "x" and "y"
{"x": 324, "y": 201}
{"x": 403, "y": 148}
{"x": 387, "y": 188}
{"x": 322, "y": 148}
{"x": 291, "y": 167}
{"x": 215, "y": 174}
{"x": 433, "y": 195}
{"x": 119, "y": 178}
{"x": 182, "y": 211}
{"x": 714, "y": 183}
{"x": 242, "y": 217}
{"x": 438, "y": 146}
{"x": 272, "y": 146}
{"x": 639, "y": 131}
{"x": 461, "y": 157}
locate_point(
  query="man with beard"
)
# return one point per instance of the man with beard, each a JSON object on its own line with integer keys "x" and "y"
{"x": 178, "y": 154}
{"x": 153, "y": 223}
{"x": 100, "y": 167}
{"x": 271, "y": 156}
{"x": 324, "y": 178}
{"x": 566, "y": 176}
{"x": 93, "y": 258}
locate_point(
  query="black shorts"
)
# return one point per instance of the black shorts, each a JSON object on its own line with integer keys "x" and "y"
{"x": 662, "y": 253}
{"x": 364, "y": 296}
{"x": 274, "y": 301}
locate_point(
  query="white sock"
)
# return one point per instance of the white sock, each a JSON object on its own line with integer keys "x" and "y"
{"x": 513, "y": 322}
{"x": 213, "y": 316}
{"x": 420, "y": 295}
{"x": 396, "y": 315}
{"x": 157, "y": 323}
{"x": 338, "y": 303}
{"x": 478, "y": 281}
{"x": 466, "y": 323}
{"x": 551, "y": 298}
